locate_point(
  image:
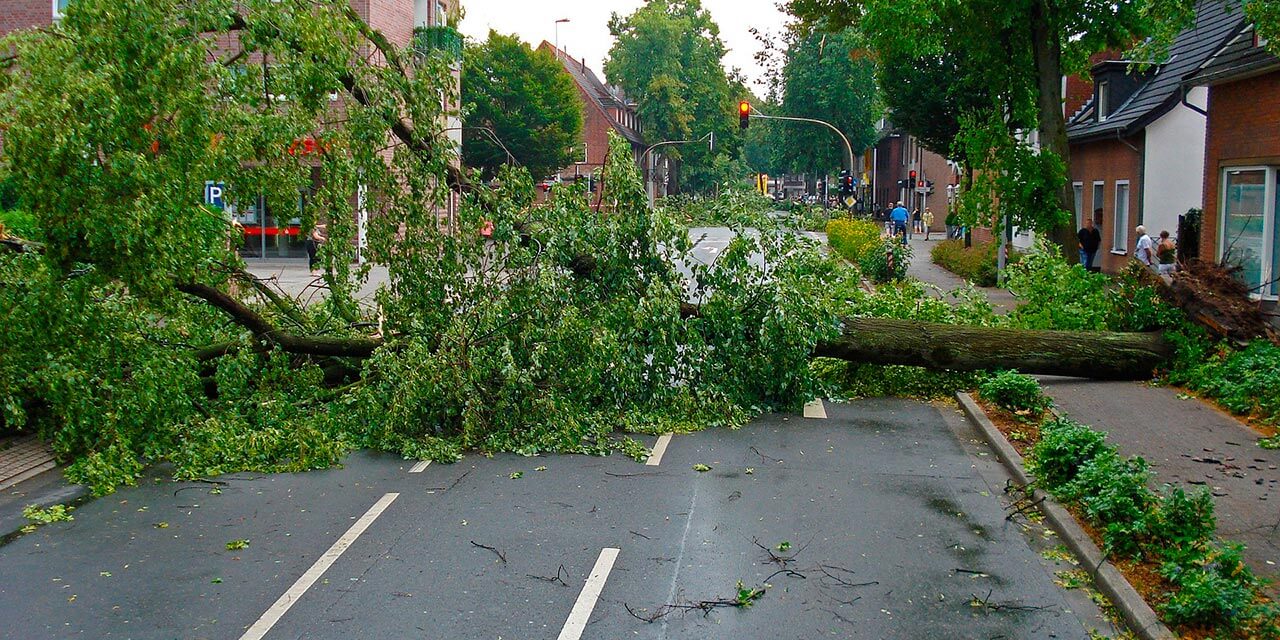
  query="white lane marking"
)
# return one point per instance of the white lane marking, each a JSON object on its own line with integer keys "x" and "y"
{"x": 577, "y": 622}
{"x": 684, "y": 542}
{"x": 815, "y": 409}
{"x": 281, "y": 606}
{"x": 420, "y": 467}
{"x": 659, "y": 448}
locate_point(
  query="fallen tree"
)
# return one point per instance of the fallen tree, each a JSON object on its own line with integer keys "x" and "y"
{"x": 132, "y": 333}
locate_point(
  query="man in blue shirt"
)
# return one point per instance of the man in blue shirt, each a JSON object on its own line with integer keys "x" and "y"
{"x": 899, "y": 216}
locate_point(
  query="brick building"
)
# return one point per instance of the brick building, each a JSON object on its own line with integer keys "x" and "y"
{"x": 1137, "y": 142}
{"x": 604, "y": 109}
{"x": 1242, "y": 160}
{"x": 893, "y": 158}
{"x": 421, "y": 24}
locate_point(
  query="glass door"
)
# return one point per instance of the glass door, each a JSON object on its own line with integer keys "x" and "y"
{"x": 1244, "y": 224}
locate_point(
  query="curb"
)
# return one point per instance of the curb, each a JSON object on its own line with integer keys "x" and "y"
{"x": 1135, "y": 611}
{"x": 44, "y": 490}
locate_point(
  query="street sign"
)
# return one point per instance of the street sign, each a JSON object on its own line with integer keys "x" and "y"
{"x": 214, "y": 194}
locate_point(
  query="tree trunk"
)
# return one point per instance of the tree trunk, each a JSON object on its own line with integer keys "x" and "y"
{"x": 1046, "y": 44}
{"x": 1097, "y": 355}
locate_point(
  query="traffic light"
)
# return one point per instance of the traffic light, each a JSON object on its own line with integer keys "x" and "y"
{"x": 913, "y": 176}
{"x": 744, "y": 114}
{"x": 846, "y": 183}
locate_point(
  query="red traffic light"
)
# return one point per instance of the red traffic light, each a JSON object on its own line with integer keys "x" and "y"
{"x": 913, "y": 175}
{"x": 744, "y": 114}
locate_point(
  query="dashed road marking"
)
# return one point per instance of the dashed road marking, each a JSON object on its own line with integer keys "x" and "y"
{"x": 659, "y": 448}
{"x": 281, "y": 606}
{"x": 581, "y": 614}
{"x": 816, "y": 409}
{"x": 420, "y": 467}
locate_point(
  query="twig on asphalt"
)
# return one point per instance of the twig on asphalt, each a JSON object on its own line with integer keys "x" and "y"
{"x": 633, "y": 475}
{"x": 1025, "y": 508}
{"x": 826, "y": 570}
{"x": 637, "y": 533}
{"x": 501, "y": 556}
{"x": 971, "y": 571}
{"x": 764, "y": 458}
{"x": 555, "y": 578}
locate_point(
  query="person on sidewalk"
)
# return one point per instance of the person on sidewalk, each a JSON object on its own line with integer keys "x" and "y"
{"x": 312, "y": 244}
{"x": 899, "y": 216}
{"x": 928, "y": 222}
{"x": 1090, "y": 239}
{"x": 915, "y": 222}
{"x": 1146, "y": 249}
{"x": 1167, "y": 253}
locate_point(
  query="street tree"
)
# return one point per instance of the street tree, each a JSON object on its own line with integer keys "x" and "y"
{"x": 667, "y": 56}
{"x": 133, "y": 334}
{"x": 523, "y": 98}
{"x": 1020, "y": 49}
{"x": 826, "y": 77}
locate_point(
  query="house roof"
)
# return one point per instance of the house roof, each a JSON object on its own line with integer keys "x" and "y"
{"x": 1239, "y": 58}
{"x": 1216, "y": 22}
{"x": 605, "y": 97}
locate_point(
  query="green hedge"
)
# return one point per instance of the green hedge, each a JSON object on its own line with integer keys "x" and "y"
{"x": 861, "y": 242}
{"x": 976, "y": 264}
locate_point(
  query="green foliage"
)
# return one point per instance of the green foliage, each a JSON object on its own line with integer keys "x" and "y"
{"x": 1184, "y": 522}
{"x": 1269, "y": 443}
{"x": 732, "y": 207}
{"x": 1114, "y": 495}
{"x": 975, "y": 264}
{"x": 1064, "y": 447}
{"x": 1015, "y": 393}
{"x": 1215, "y": 590}
{"x": 9, "y": 197}
{"x": 1065, "y": 297}
{"x": 851, "y": 380}
{"x": 16, "y": 222}
{"x": 854, "y": 239}
{"x": 824, "y": 78}
{"x": 528, "y": 101}
{"x": 881, "y": 260}
{"x": 1244, "y": 381}
{"x": 49, "y": 515}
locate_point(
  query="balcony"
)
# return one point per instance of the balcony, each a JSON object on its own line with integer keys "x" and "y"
{"x": 438, "y": 40}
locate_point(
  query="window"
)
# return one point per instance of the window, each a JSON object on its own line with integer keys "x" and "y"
{"x": 1120, "y": 228}
{"x": 1077, "y": 190}
{"x": 60, "y": 8}
{"x": 1101, "y": 107}
{"x": 1099, "y": 189}
{"x": 1248, "y": 233}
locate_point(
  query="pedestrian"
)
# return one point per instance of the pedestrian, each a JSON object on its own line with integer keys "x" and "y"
{"x": 899, "y": 215}
{"x": 928, "y": 222}
{"x": 1167, "y": 253}
{"x": 951, "y": 221}
{"x": 312, "y": 244}
{"x": 1090, "y": 239}
{"x": 915, "y": 221}
{"x": 1146, "y": 250}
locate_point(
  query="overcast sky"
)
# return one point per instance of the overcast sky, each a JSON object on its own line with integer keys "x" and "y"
{"x": 587, "y": 35}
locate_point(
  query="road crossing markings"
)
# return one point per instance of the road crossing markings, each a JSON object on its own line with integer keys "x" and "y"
{"x": 659, "y": 448}
{"x": 281, "y": 606}
{"x": 581, "y": 614}
{"x": 420, "y": 467}
{"x": 816, "y": 409}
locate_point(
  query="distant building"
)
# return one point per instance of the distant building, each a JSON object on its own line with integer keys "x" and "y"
{"x": 895, "y": 155}
{"x": 1242, "y": 159}
{"x": 604, "y": 109}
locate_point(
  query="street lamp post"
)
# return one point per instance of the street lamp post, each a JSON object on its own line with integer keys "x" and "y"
{"x": 646, "y": 159}
{"x": 558, "y": 31}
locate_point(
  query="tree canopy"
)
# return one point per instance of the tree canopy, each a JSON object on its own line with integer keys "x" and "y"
{"x": 526, "y": 100}
{"x": 667, "y": 56}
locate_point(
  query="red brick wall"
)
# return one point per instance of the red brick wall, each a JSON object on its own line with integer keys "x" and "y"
{"x": 1244, "y": 129}
{"x": 1110, "y": 161}
{"x": 23, "y": 14}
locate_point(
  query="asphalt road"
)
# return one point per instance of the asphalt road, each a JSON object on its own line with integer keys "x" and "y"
{"x": 892, "y": 512}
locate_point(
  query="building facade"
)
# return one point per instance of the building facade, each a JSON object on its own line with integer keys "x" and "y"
{"x": 1242, "y": 161}
{"x": 604, "y": 109}
{"x": 1137, "y": 142}
{"x": 894, "y": 158}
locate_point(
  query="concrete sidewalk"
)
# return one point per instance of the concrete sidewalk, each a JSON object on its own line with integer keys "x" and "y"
{"x": 1189, "y": 443}
{"x": 923, "y": 269}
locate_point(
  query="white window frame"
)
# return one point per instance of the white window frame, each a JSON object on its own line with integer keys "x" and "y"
{"x": 1120, "y": 229}
{"x": 1098, "y": 201}
{"x": 57, "y": 15}
{"x": 1077, "y": 192}
{"x": 1269, "y": 247}
{"x": 1102, "y": 100}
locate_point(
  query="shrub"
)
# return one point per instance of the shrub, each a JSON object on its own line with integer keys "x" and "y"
{"x": 887, "y": 264}
{"x": 1114, "y": 495}
{"x": 18, "y": 223}
{"x": 976, "y": 264}
{"x": 1183, "y": 522}
{"x": 1216, "y": 590}
{"x": 1246, "y": 382}
{"x": 1014, "y": 392}
{"x": 1065, "y": 446}
{"x": 854, "y": 240}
